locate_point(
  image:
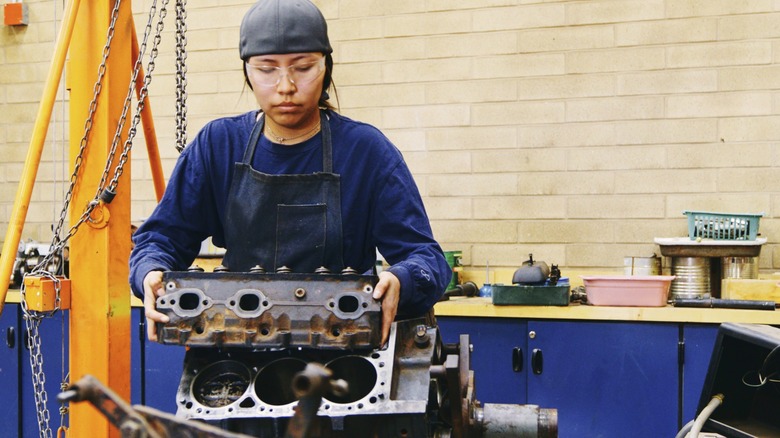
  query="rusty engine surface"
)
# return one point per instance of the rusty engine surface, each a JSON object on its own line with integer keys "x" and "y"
{"x": 278, "y": 310}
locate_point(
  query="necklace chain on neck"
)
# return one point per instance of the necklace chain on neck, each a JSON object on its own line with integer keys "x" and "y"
{"x": 282, "y": 140}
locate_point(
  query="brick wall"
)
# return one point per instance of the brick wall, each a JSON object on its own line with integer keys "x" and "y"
{"x": 575, "y": 130}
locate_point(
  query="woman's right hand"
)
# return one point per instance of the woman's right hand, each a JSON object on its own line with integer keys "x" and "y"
{"x": 153, "y": 288}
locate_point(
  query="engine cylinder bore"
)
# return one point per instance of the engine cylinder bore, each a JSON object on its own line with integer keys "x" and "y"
{"x": 359, "y": 373}
{"x": 221, "y": 383}
{"x": 273, "y": 384}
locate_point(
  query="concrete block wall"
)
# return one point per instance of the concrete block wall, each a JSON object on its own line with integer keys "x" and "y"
{"x": 574, "y": 130}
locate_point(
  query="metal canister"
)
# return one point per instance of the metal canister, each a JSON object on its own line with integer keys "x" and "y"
{"x": 642, "y": 265}
{"x": 739, "y": 267}
{"x": 692, "y": 278}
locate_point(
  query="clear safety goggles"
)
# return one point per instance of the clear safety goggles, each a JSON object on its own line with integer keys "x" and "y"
{"x": 298, "y": 74}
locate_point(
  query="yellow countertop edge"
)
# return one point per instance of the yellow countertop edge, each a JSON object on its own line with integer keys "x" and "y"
{"x": 483, "y": 307}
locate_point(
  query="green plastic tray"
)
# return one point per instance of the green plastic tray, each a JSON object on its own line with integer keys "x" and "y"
{"x": 519, "y": 295}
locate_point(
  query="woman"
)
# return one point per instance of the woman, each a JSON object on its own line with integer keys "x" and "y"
{"x": 294, "y": 184}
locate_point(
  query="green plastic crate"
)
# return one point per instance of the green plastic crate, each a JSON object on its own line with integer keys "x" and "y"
{"x": 722, "y": 226}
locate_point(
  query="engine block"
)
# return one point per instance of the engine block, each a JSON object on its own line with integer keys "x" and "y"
{"x": 249, "y": 384}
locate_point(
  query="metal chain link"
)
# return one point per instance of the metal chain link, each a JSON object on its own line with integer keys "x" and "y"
{"x": 142, "y": 94}
{"x": 33, "y": 318}
{"x": 181, "y": 75}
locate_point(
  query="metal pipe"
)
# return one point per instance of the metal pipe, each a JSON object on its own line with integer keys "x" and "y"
{"x": 24, "y": 192}
{"x": 147, "y": 121}
{"x": 504, "y": 420}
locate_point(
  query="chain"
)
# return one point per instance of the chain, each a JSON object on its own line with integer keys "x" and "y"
{"x": 32, "y": 322}
{"x": 181, "y": 75}
{"x": 109, "y": 192}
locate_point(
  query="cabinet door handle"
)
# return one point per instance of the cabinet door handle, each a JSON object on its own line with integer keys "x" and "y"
{"x": 10, "y": 337}
{"x": 517, "y": 359}
{"x": 142, "y": 329}
{"x": 537, "y": 361}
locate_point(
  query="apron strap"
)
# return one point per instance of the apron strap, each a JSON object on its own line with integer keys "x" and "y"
{"x": 327, "y": 146}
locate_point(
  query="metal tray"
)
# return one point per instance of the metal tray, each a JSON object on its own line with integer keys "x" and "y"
{"x": 684, "y": 247}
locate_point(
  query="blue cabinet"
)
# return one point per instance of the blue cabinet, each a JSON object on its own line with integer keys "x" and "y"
{"x": 497, "y": 358}
{"x": 607, "y": 379}
{"x": 699, "y": 342}
{"x": 163, "y": 368}
{"x": 10, "y": 354}
{"x": 137, "y": 336}
{"x": 155, "y": 369}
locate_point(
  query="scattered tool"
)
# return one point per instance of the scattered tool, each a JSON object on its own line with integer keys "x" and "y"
{"x": 467, "y": 289}
{"x": 719, "y": 303}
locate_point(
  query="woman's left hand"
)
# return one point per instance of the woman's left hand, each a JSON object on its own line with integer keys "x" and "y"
{"x": 388, "y": 290}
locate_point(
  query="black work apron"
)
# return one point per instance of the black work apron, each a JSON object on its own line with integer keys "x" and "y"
{"x": 284, "y": 220}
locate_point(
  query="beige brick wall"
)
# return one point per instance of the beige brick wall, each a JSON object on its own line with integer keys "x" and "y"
{"x": 575, "y": 130}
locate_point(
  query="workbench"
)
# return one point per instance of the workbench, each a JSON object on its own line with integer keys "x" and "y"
{"x": 483, "y": 307}
{"x": 610, "y": 371}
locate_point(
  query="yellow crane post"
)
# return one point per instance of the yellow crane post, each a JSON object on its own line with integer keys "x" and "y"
{"x": 100, "y": 294}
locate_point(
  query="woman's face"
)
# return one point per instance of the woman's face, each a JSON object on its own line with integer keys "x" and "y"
{"x": 288, "y": 86}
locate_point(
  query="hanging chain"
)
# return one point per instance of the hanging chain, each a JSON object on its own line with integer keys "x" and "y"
{"x": 181, "y": 75}
{"x": 32, "y": 322}
{"x": 109, "y": 192}
{"x": 33, "y": 318}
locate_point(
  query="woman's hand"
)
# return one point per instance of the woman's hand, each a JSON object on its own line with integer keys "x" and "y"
{"x": 388, "y": 289}
{"x": 153, "y": 288}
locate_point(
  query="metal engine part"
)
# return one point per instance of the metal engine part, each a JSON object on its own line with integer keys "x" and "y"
{"x": 415, "y": 387}
{"x": 264, "y": 331}
{"x": 249, "y": 384}
{"x": 262, "y": 310}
